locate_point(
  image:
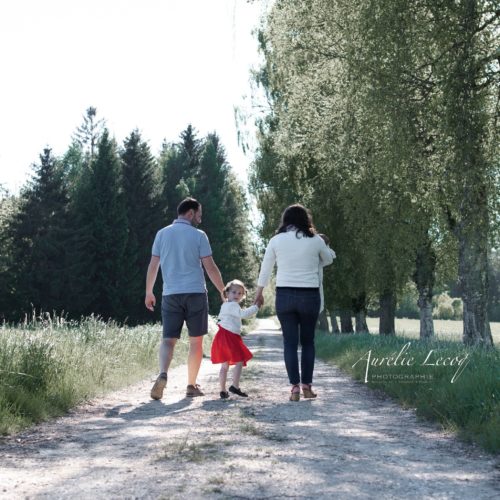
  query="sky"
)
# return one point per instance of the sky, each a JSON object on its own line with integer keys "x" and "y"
{"x": 155, "y": 65}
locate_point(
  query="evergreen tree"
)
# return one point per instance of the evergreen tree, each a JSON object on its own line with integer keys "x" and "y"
{"x": 87, "y": 135}
{"x": 144, "y": 218}
{"x": 99, "y": 240}
{"x": 225, "y": 217}
{"x": 8, "y": 207}
{"x": 179, "y": 163}
{"x": 38, "y": 233}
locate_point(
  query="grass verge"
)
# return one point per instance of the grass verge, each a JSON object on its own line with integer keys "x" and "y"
{"x": 49, "y": 365}
{"x": 447, "y": 382}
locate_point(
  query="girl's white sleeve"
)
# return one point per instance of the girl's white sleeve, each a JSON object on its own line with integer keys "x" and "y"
{"x": 249, "y": 311}
{"x": 267, "y": 265}
{"x": 326, "y": 254}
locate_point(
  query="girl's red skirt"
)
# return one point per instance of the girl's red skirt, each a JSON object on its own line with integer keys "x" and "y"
{"x": 229, "y": 347}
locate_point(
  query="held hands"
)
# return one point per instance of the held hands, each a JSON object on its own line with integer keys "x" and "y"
{"x": 150, "y": 301}
{"x": 259, "y": 300}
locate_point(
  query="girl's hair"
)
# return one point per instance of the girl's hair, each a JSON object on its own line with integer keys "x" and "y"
{"x": 299, "y": 217}
{"x": 235, "y": 283}
{"x": 325, "y": 238}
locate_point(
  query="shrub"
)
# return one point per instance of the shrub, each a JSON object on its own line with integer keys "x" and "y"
{"x": 447, "y": 308}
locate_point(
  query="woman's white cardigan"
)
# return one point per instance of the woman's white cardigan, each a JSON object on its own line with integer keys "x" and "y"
{"x": 298, "y": 258}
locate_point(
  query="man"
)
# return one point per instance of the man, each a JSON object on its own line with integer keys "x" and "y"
{"x": 182, "y": 251}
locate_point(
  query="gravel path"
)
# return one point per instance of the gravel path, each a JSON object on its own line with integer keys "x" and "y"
{"x": 349, "y": 443}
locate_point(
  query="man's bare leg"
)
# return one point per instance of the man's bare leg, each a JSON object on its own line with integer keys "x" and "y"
{"x": 194, "y": 358}
{"x": 165, "y": 357}
{"x": 167, "y": 348}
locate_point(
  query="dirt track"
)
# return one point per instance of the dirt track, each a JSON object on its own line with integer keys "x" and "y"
{"x": 349, "y": 443}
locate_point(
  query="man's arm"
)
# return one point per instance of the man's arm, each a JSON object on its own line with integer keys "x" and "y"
{"x": 214, "y": 274}
{"x": 154, "y": 265}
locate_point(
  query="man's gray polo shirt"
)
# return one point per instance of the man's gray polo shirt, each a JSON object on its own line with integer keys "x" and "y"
{"x": 180, "y": 247}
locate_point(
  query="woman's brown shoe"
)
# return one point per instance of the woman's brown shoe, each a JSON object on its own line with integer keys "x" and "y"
{"x": 307, "y": 392}
{"x": 295, "y": 394}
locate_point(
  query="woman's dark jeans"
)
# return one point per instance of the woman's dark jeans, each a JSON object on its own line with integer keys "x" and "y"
{"x": 298, "y": 310}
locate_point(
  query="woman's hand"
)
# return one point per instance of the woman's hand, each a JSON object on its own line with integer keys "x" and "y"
{"x": 259, "y": 298}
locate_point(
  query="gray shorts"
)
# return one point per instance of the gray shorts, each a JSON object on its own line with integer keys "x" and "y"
{"x": 189, "y": 307}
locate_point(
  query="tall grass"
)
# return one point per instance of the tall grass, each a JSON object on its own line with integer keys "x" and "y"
{"x": 464, "y": 398}
{"x": 49, "y": 364}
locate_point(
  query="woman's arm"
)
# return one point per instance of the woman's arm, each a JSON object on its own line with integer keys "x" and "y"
{"x": 267, "y": 265}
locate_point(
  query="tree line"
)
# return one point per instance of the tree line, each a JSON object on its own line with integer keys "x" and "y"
{"x": 383, "y": 118}
{"x": 77, "y": 239}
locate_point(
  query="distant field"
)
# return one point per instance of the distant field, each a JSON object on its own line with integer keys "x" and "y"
{"x": 444, "y": 329}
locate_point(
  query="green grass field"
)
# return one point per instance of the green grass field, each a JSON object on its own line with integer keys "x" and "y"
{"x": 50, "y": 365}
{"x": 444, "y": 329}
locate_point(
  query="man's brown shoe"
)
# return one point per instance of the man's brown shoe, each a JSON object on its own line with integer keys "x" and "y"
{"x": 193, "y": 390}
{"x": 159, "y": 386}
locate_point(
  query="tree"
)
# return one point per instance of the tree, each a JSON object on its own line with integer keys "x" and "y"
{"x": 37, "y": 233}
{"x": 87, "y": 135}
{"x": 8, "y": 207}
{"x": 467, "y": 36}
{"x": 225, "y": 216}
{"x": 97, "y": 248}
{"x": 144, "y": 216}
{"x": 179, "y": 163}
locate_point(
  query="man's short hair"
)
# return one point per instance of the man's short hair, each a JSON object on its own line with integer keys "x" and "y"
{"x": 187, "y": 204}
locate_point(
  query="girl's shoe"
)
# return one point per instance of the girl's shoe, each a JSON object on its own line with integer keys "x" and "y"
{"x": 295, "y": 394}
{"x": 237, "y": 390}
{"x": 224, "y": 394}
{"x": 308, "y": 392}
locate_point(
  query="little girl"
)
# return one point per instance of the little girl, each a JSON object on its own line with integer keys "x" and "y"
{"x": 228, "y": 347}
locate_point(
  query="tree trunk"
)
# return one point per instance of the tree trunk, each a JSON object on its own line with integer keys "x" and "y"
{"x": 471, "y": 167}
{"x": 426, "y": 321}
{"x": 424, "y": 279}
{"x": 361, "y": 325}
{"x": 359, "y": 307}
{"x": 346, "y": 322}
{"x": 473, "y": 277}
{"x": 323, "y": 322}
{"x": 333, "y": 321}
{"x": 387, "y": 313}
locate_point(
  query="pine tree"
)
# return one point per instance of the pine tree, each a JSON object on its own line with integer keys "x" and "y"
{"x": 8, "y": 207}
{"x": 38, "y": 233}
{"x": 179, "y": 163}
{"x": 87, "y": 135}
{"x": 100, "y": 236}
{"x": 225, "y": 217}
{"x": 144, "y": 219}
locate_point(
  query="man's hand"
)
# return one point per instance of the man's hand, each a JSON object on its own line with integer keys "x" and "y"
{"x": 150, "y": 301}
{"x": 153, "y": 267}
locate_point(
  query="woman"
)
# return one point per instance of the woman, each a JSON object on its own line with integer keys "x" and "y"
{"x": 298, "y": 252}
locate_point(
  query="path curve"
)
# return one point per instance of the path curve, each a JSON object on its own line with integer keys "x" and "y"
{"x": 349, "y": 443}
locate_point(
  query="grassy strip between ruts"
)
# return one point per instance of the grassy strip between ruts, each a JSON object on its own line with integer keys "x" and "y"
{"x": 447, "y": 382}
{"x": 49, "y": 365}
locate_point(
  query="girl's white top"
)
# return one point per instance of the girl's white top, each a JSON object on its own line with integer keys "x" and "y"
{"x": 298, "y": 258}
{"x": 231, "y": 313}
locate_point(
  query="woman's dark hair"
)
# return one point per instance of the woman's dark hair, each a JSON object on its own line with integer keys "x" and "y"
{"x": 299, "y": 217}
{"x": 186, "y": 205}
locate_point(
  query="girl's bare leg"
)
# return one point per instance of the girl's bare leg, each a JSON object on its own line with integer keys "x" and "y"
{"x": 224, "y": 367}
{"x": 237, "y": 374}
